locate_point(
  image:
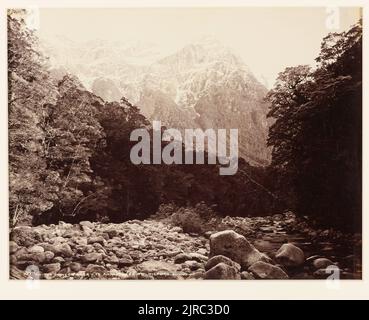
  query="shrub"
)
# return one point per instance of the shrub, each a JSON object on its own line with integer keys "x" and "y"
{"x": 197, "y": 219}
{"x": 189, "y": 220}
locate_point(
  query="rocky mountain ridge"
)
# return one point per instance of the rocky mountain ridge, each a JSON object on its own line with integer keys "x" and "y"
{"x": 202, "y": 85}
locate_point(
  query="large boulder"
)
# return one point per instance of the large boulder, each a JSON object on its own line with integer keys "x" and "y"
{"x": 212, "y": 262}
{"x": 289, "y": 255}
{"x": 222, "y": 271}
{"x": 235, "y": 246}
{"x": 263, "y": 270}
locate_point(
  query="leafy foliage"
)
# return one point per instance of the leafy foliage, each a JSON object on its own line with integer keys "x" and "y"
{"x": 316, "y": 137}
{"x": 192, "y": 219}
{"x": 69, "y": 151}
{"x": 30, "y": 92}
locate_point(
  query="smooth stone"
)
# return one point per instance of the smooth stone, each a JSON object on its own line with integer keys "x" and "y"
{"x": 160, "y": 269}
{"x": 91, "y": 257}
{"x": 289, "y": 255}
{"x": 322, "y": 263}
{"x": 49, "y": 255}
{"x": 52, "y": 268}
{"x": 312, "y": 258}
{"x": 93, "y": 240}
{"x": 196, "y": 275}
{"x": 247, "y": 276}
{"x": 58, "y": 260}
{"x": 12, "y": 260}
{"x": 235, "y": 246}
{"x": 62, "y": 249}
{"x": 193, "y": 265}
{"x": 121, "y": 252}
{"x": 21, "y": 252}
{"x": 186, "y": 270}
{"x": 202, "y": 251}
{"x": 13, "y": 247}
{"x": 57, "y": 240}
{"x": 94, "y": 268}
{"x": 81, "y": 241}
{"x": 38, "y": 257}
{"x": 212, "y": 262}
{"x": 198, "y": 257}
{"x": 111, "y": 259}
{"x": 75, "y": 266}
{"x": 36, "y": 249}
{"x": 88, "y": 224}
{"x": 112, "y": 233}
{"x": 222, "y": 271}
{"x": 125, "y": 261}
{"x": 87, "y": 231}
{"x": 71, "y": 234}
{"x": 263, "y": 270}
{"x": 181, "y": 258}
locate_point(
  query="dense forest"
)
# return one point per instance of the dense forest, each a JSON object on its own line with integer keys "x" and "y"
{"x": 317, "y": 135}
{"x": 69, "y": 150}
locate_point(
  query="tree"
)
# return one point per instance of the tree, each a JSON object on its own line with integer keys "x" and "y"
{"x": 30, "y": 92}
{"x": 73, "y": 135}
{"x": 316, "y": 137}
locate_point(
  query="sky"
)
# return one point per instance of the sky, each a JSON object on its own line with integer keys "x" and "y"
{"x": 267, "y": 39}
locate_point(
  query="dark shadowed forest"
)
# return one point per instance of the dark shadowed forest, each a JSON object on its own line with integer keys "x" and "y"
{"x": 69, "y": 149}
{"x": 80, "y": 209}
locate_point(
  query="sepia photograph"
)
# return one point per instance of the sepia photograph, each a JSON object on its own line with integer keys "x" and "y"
{"x": 185, "y": 143}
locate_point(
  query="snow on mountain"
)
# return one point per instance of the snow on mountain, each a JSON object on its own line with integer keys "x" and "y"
{"x": 204, "y": 84}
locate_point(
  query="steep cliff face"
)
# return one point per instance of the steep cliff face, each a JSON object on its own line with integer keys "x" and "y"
{"x": 202, "y": 85}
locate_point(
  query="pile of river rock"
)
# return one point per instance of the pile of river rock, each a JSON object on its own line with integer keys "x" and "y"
{"x": 147, "y": 250}
{"x": 233, "y": 257}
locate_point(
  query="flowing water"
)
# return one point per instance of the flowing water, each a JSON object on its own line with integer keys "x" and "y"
{"x": 347, "y": 254}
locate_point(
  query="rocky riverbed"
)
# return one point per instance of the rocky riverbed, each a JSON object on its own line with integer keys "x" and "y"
{"x": 274, "y": 247}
